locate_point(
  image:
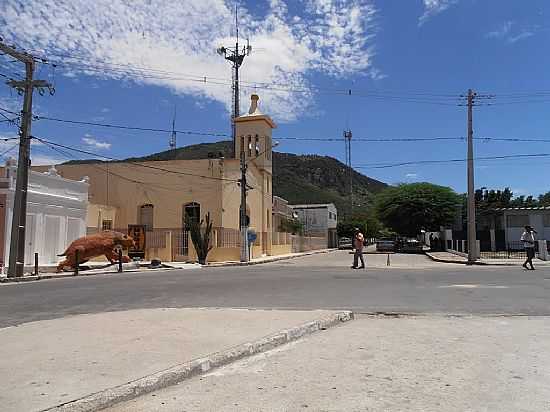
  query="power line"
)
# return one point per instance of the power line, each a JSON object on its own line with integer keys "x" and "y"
{"x": 296, "y": 138}
{"x": 47, "y": 142}
{"x": 420, "y": 162}
{"x": 116, "y": 126}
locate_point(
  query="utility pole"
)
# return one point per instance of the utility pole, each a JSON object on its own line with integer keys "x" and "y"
{"x": 243, "y": 220}
{"x": 236, "y": 57}
{"x": 19, "y": 219}
{"x": 347, "y": 138}
{"x": 472, "y": 243}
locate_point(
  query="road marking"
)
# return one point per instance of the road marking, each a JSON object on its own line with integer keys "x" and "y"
{"x": 474, "y": 286}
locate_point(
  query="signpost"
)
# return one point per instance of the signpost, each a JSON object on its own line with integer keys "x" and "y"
{"x": 252, "y": 236}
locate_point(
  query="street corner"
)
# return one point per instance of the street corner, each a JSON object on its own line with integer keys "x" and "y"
{"x": 85, "y": 362}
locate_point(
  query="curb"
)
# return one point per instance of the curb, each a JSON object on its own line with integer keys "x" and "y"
{"x": 109, "y": 397}
{"x": 270, "y": 260}
{"x": 64, "y": 275}
{"x": 436, "y": 259}
{"x": 477, "y": 262}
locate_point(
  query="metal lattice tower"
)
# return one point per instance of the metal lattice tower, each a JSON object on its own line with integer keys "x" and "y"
{"x": 236, "y": 56}
{"x": 173, "y": 137}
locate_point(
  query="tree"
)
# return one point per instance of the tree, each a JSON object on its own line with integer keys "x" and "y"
{"x": 290, "y": 225}
{"x": 544, "y": 200}
{"x": 366, "y": 222}
{"x": 200, "y": 236}
{"x": 409, "y": 208}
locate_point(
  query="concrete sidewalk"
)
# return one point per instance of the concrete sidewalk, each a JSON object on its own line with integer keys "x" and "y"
{"x": 53, "y": 362}
{"x": 418, "y": 364}
{"x": 99, "y": 269}
{"x": 448, "y": 257}
{"x": 269, "y": 259}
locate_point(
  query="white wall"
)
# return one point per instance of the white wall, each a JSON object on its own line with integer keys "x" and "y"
{"x": 56, "y": 215}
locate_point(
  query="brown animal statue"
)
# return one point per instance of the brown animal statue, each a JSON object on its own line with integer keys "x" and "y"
{"x": 103, "y": 243}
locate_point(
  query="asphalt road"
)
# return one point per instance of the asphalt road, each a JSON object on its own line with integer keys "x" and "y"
{"x": 412, "y": 284}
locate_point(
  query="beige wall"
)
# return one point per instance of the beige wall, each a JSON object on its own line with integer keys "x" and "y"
{"x": 127, "y": 186}
{"x": 98, "y": 213}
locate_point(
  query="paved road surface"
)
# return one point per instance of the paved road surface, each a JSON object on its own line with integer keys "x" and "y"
{"x": 425, "y": 364}
{"x": 412, "y": 284}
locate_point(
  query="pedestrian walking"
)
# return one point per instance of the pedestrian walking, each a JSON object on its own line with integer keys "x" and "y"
{"x": 528, "y": 239}
{"x": 358, "y": 244}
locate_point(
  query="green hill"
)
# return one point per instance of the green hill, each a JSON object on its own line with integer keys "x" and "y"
{"x": 296, "y": 178}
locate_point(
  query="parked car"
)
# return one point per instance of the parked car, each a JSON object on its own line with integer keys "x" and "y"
{"x": 345, "y": 243}
{"x": 385, "y": 245}
{"x": 410, "y": 246}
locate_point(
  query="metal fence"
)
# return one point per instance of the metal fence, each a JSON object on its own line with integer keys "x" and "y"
{"x": 225, "y": 237}
{"x": 513, "y": 250}
{"x": 281, "y": 238}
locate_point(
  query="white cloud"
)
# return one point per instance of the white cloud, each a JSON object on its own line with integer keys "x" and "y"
{"x": 90, "y": 141}
{"x": 178, "y": 39}
{"x": 105, "y": 110}
{"x": 45, "y": 160}
{"x": 507, "y": 32}
{"x": 433, "y": 7}
{"x": 411, "y": 175}
{"x": 520, "y": 36}
{"x": 10, "y": 149}
{"x": 502, "y": 31}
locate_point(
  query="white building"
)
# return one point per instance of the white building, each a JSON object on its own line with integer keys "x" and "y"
{"x": 56, "y": 213}
{"x": 319, "y": 220}
{"x": 514, "y": 219}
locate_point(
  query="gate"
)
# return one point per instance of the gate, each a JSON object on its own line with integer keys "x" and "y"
{"x": 180, "y": 245}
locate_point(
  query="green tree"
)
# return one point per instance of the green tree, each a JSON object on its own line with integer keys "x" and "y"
{"x": 409, "y": 208}
{"x": 366, "y": 222}
{"x": 544, "y": 200}
{"x": 290, "y": 225}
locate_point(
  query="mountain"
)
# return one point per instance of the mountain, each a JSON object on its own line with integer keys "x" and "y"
{"x": 296, "y": 178}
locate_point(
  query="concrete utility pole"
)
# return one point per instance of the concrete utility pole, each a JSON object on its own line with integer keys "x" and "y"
{"x": 236, "y": 57}
{"x": 19, "y": 220}
{"x": 347, "y": 138}
{"x": 243, "y": 220}
{"x": 472, "y": 243}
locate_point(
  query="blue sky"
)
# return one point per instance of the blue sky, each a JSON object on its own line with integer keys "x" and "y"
{"x": 406, "y": 62}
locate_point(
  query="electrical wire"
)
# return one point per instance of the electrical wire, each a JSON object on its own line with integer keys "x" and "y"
{"x": 115, "y": 126}
{"x": 47, "y": 142}
{"x": 295, "y": 138}
{"x": 421, "y": 162}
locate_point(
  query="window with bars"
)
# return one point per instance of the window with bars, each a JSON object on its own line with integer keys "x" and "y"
{"x": 146, "y": 213}
{"x": 107, "y": 224}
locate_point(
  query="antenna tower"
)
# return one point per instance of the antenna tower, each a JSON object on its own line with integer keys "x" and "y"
{"x": 172, "y": 141}
{"x": 236, "y": 56}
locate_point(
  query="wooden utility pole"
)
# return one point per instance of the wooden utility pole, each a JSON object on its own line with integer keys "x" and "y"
{"x": 472, "y": 242}
{"x": 19, "y": 219}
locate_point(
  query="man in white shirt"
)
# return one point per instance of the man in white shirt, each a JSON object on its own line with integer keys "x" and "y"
{"x": 528, "y": 239}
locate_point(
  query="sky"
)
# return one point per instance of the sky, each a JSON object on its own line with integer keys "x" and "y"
{"x": 388, "y": 70}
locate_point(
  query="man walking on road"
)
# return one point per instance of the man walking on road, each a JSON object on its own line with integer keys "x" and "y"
{"x": 528, "y": 239}
{"x": 358, "y": 243}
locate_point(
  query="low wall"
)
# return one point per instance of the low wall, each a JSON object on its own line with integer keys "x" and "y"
{"x": 223, "y": 254}
{"x": 281, "y": 250}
